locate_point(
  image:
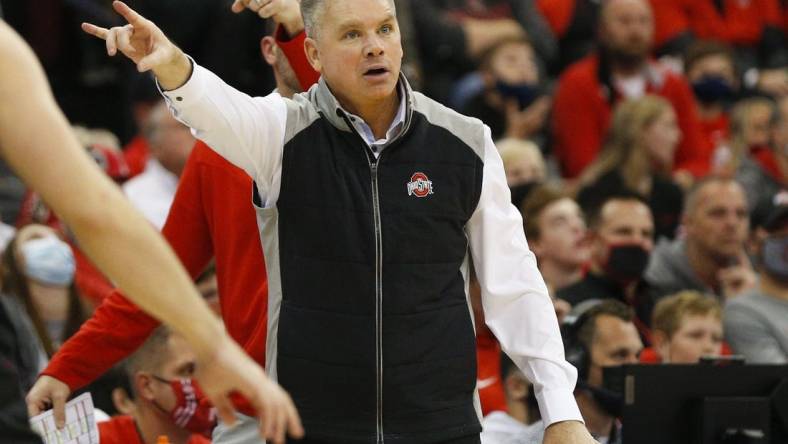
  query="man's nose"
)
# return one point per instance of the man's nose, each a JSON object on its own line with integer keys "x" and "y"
{"x": 374, "y": 46}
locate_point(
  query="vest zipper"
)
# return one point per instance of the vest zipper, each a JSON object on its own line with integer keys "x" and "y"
{"x": 378, "y": 300}
{"x": 373, "y": 168}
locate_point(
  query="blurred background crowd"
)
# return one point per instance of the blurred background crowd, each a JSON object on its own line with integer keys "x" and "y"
{"x": 645, "y": 143}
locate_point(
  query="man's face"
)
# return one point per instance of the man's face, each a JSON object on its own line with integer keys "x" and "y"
{"x": 697, "y": 336}
{"x": 358, "y": 50}
{"x": 715, "y": 65}
{"x": 180, "y": 364}
{"x": 758, "y": 126}
{"x": 622, "y": 222}
{"x": 514, "y": 63}
{"x": 562, "y": 234}
{"x": 780, "y": 130}
{"x": 616, "y": 342}
{"x": 719, "y": 223}
{"x": 627, "y": 28}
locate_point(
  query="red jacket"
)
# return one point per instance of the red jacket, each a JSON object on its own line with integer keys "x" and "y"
{"x": 582, "y": 112}
{"x": 211, "y": 216}
{"x": 740, "y": 23}
{"x": 123, "y": 430}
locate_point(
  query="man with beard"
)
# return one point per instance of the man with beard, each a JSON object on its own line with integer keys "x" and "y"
{"x": 620, "y": 70}
{"x": 621, "y": 234}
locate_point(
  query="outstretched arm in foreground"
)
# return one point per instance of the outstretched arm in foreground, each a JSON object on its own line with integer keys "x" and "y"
{"x": 36, "y": 140}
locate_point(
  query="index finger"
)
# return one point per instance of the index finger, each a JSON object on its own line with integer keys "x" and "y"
{"x": 129, "y": 14}
{"x": 94, "y": 30}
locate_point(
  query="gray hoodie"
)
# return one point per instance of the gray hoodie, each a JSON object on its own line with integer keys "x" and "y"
{"x": 669, "y": 270}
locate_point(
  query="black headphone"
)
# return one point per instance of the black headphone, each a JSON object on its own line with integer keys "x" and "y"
{"x": 576, "y": 353}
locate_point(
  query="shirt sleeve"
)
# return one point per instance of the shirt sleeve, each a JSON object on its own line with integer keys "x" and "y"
{"x": 517, "y": 307}
{"x": 247, "y": 131}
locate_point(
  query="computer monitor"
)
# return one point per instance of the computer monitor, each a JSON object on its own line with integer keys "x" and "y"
{"x": 702, "y": 404}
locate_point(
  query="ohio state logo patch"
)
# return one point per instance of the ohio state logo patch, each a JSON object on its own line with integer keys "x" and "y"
{"x": 419, "y": 185}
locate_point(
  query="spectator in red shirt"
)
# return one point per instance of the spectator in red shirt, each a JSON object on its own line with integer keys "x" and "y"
{"x": 163, "y": 363}
{"x": 620, "y": 69}
{"x": 211, "y": 216}
{"x": 687, "y": 326}
{"x": 711, "y": 70}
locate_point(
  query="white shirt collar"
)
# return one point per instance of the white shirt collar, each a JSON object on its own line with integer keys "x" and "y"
{"x": 397, "y": 124}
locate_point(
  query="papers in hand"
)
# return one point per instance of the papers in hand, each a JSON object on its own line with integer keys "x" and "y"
{"x": 80, "y": 426}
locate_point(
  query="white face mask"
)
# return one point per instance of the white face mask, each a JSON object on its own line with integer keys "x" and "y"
{"x": 49, "y": 260}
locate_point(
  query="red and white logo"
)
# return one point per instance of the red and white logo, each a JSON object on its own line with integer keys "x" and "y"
{"x": 419, "y": 185}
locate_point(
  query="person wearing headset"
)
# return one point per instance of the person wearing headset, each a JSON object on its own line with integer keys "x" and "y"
{"x": 598, "y": 334}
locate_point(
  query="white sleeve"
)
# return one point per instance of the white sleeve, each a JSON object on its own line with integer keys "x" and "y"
{"x": 247, "y": 131}
{"x": 517, "y": 307}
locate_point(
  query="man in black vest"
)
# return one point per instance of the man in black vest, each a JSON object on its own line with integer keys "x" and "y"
{"x": 372, "y": 200}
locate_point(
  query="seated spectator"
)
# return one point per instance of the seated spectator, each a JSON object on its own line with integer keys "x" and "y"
{"x": 620, "y": 69}
{"x": 760, "y": 139}
{"x": 500, "y": 427}
{"x": 453, "y": 34}
{"x": 512, "y": 103}
{"x": 574, "y": 24}
{"x": 600, "y": 334}
{"x": 163, "y": 400}
{"x": 686, "y": 327}
{"x": 37, "y": 274}
{"x": 637, "y": 157}
{"x": 711, "y": 258}
{"x": 756, "y": 324}
{"x": 556, "y": 232}
{"x": 621, "y": 233}
{"x": 170, "y": 143}
{"x": 711, "y": 70}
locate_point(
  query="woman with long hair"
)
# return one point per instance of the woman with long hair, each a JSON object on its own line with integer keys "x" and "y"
{"x": 37, "y": 269}
{"x": 638, "y": 157}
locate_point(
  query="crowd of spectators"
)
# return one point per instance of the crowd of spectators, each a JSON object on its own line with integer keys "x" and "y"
{"x": 645, "y": 143}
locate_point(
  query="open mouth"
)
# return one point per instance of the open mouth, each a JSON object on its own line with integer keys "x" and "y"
{"x": 376, "y": 72}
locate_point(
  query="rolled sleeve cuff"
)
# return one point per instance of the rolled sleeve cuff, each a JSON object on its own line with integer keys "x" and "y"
{"x": 188, "y": 93}
{"x": 558, "y": 405}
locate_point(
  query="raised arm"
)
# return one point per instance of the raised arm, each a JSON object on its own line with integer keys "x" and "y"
{"x": 248, "y": 132}
{"x": 116, "y": 237}
{"x": 517, "y": 307}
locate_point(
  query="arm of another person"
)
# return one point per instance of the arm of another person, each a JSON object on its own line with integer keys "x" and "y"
{"x": 118, "y": 327}
{"x": 516, "y": 305}
{"x": 747, "y": 334}
{"x": 37, "y": 142}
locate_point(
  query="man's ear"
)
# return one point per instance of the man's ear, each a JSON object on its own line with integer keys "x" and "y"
{"x": 142, "y": 385}
{"x": 123, "y": 403}
{"x": 661, "y": 344}
{"x": 268, "y": 49}
{"x": 312, "y": 54}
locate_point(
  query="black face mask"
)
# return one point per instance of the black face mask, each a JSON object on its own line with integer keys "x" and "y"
{"x": 712, "y": 89}
{"x": 520, "y": 192}
{"x": 626, "y": 262}
{"x": 524, "y": 93}
{"x": 775, "y": 258}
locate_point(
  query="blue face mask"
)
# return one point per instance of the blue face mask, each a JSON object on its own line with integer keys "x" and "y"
{"x": 524, "y": 93}
{"x": 775, "y": 257}
{"x": 49, "y": 261}
{"x": 711, "y": 89}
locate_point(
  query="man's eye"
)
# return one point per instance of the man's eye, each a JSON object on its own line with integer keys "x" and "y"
{"x": 386, "y": 29}
{"x": 351, "y": 34}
